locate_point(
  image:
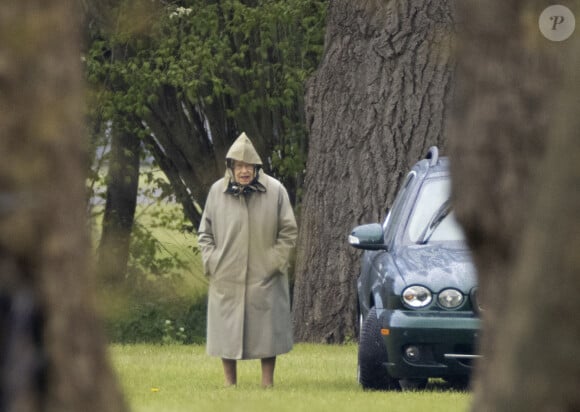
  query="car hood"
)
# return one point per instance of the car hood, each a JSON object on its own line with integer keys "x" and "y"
{"x": 436, "y": 267}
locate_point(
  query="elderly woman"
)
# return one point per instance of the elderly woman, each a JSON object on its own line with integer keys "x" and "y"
{"x": 246, "y": 235}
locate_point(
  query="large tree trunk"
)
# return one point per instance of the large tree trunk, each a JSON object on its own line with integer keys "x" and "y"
{"x": 374, "y": 107}
{"x": 538, "y": 368}
{"x": 122, "y": 187}
{"x": 53, "y": 352}
{"x": 508, "y": 75}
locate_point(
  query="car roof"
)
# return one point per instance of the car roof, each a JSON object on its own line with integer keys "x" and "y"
{"x": 427, "y": 167}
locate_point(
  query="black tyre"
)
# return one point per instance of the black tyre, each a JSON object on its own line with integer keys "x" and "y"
{"x": 372, "y": 356}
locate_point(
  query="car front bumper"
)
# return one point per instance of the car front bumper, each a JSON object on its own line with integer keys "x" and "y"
{"x": 429, "y": 344}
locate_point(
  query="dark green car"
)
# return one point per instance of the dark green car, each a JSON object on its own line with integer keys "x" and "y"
{"x": 417, "y": 288}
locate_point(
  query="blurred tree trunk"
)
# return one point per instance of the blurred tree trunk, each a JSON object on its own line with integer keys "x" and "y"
{"x": 508, "y": 77}
{"x": 122, "y": 186}
{"x": 52, "y": 349}
{"x": 375, "y": 106}
{"x": 123, "y": 172}
{"x": 538, "y": 368}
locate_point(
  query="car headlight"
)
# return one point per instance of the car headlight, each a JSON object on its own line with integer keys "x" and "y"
{"x": 417, "y": 296}
{"x": 450, "y": 298}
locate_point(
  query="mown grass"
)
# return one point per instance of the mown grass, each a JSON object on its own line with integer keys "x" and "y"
{"x": 310, "y": 378}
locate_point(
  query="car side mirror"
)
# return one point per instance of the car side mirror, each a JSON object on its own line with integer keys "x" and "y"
{"x": 368, "y": 237}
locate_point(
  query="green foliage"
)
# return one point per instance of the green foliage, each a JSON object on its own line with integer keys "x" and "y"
{"x": 155, "y": 252}
{"x": 250, "y": 56}
{"x": 164, "y": 280}
{"x": 164, "y": 298}
{"x": 180, "y": 321}
{"x": 147, "y": 258}
{"x": 173, "y": 334}
{"x": 149, "y": 255}
{"x": 258, "y": 54}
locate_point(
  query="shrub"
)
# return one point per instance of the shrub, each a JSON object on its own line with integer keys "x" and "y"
{"x": 161, "y": 322}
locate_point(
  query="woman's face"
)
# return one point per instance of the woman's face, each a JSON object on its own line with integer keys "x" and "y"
{"x": 243, "y": 172}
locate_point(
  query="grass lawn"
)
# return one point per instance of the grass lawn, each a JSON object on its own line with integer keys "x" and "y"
{"x": 310, "y": 378}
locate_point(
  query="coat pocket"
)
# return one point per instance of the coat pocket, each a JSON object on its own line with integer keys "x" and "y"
{"x": 212, "y": 263}
{"x": 273, "y": 263}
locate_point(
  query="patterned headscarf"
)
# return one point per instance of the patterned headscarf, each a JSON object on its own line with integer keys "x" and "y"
{"x": 236, "y": 189}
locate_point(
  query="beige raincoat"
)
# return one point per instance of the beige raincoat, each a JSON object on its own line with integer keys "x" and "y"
{"x": 245, "y": 243}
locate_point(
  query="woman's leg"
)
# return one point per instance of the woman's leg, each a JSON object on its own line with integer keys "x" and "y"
{"x": 230, "y": 371}
{"x": 268, "y": 365}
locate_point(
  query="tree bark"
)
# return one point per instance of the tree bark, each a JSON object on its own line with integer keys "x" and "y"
{"x": 508, "y": 75}
{"x": 182, "y": 146}
{"x": 537, "y": 368}
{"x": 53, "y": 352}
{"x": 121, "y": 202}
{"x": 375, "y": 106}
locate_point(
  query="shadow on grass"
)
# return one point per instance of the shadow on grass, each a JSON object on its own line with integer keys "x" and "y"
{"x": 341, "y": 384}
{"x": 434, "y": 385}
{"x": 440, "y": 385}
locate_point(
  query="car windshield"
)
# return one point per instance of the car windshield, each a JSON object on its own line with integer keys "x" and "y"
{"x": 432, "y": 219}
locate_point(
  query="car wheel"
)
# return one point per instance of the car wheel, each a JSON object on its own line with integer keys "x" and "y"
{"x": 372, "y": 356}
{"x": 416, "y": 384}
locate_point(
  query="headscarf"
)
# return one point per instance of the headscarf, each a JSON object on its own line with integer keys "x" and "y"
{"x": 243, "y": 150}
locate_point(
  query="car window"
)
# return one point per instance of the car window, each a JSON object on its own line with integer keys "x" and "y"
{"x": 397, "y": 209}
{"x": 432, "y": 196}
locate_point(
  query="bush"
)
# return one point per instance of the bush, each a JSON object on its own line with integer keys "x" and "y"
{"x": 160, "y": 322}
